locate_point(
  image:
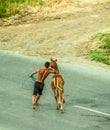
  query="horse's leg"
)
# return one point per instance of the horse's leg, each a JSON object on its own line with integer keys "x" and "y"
{"x": 61, "y": 101}
{"x": 55, "y": 94}
{"x": 63, "y": 96}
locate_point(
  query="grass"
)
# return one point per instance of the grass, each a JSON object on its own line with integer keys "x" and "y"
{"x": 12, "y": 7}
{"x": 102, "y": 52}
{"x": 100, "y": 56}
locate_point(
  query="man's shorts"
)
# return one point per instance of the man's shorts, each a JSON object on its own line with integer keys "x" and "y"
{"x": 38, "y": 88}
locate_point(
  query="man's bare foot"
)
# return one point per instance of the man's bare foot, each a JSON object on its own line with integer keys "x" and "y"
{"x": 34, "y": 106}
{"x": 37, "y": 104}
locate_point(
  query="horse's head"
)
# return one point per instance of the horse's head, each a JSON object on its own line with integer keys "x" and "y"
{"x": 53, "y": 64}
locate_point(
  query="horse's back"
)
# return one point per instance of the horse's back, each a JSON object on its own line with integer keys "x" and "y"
{"x": 58, "y": 78}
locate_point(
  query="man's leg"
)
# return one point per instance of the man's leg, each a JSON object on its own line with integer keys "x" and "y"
{"x": 37, "y": 99}
{"x": 34, "y": 101}
{"x": 39, "y": 93}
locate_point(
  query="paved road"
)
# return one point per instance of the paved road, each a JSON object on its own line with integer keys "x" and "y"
{"x": 85, "y": 86}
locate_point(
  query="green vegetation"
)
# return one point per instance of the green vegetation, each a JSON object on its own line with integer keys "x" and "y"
{"x": 102, "y": 52}
{"x": 11, "y": 7}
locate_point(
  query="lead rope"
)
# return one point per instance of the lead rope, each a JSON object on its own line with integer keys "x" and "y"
{"x": 26, "y": 79}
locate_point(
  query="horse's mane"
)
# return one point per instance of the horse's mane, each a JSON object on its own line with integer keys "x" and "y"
{"x": 54, "y": 64}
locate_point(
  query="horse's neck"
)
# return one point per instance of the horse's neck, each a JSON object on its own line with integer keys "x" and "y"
{"x": 57, "y": 70}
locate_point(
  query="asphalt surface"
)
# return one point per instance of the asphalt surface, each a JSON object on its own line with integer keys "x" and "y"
{"x": 85, "y": 86}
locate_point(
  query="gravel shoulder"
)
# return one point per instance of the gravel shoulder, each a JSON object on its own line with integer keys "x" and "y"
{"x": 57, "y": 34}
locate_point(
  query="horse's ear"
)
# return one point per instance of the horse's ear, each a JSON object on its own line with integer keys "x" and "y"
{"x": 56, "y": 60}
{"x": 51, "y": 59}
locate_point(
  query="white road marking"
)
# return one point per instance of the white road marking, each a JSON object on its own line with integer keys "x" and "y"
{"x": 92, "y": 110}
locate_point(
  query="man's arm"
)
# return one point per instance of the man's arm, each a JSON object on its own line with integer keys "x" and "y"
{"x": 34, "y": 72}
{"x": 51, "y": 70}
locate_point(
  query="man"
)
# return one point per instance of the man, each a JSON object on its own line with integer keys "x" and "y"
{"x": 39, "y": 84}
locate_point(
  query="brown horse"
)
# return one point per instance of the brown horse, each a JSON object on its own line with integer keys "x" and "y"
{"x": 57, "y": 86}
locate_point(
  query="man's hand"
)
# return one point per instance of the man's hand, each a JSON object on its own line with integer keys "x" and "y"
{"x": 30, "y": 75}
{"x": 34, "y": 72}
{"x": 51, "y": 70}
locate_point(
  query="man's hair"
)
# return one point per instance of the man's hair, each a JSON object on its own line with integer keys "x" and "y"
{"x": 47, "y": 64}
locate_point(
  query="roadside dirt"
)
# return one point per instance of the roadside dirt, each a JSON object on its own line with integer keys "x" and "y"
{"x": 61, "y": 33}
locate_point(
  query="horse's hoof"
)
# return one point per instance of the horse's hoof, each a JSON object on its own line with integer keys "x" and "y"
{"x": 57, "y": 108}
{"x": 62, "y": 111}
{"x": 63, "y": 101}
